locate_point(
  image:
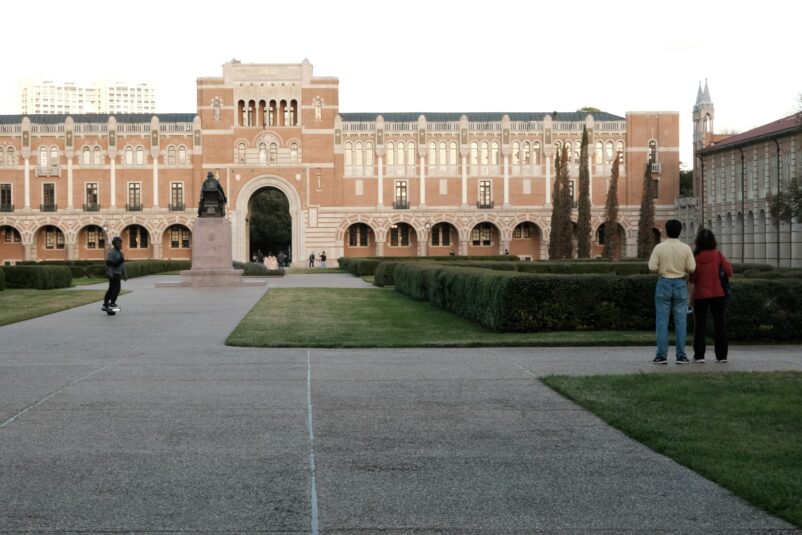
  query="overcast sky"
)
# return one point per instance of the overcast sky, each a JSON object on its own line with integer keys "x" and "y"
{"x": 433, "y": 56}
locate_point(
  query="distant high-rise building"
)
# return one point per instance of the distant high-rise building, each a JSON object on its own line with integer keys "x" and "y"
{"x": 52, "y": 97}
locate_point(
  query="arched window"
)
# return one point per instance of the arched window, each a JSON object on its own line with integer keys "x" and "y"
{"x": 452, "y": 153}
{"x": 86, "y": 156}
{"x": 251, "y": 113}
{"x": 568, "y": 149}
{"x": 401, "y": 149}
{"x": 294, "y": 153}
{"x": 620, "y": 149}
{"x": 179, "y": 237}
{"x": 318, "y": 108}
{"x": 599, "y": 152}
{"x": 442, "y": 158}
{"x": 536, "y": 153}
{"x": 608, "y": 157}
{"x": 411, "y": 154}
{"x": 11, "y": 157}
{"x": 708, "y": 122}
{"x": 349, "y": 154}
{"x": 652, "y": 151}
{"x": 241, "y": 153}
{"x": 42, "y": 156}
{"x": 182, "y": 155}
{"x": 2, "y": 157}
{"x": 98, "y": 156}
{"x": 516, "y": 153}
{"x": 273, "y": 153}
{"x": 494, "y": 153}
{"x": 54, "y": 238}
{"x": 358, "y": 155}
{"x": 241, "y": 112}
{"x": 293, "y": 113}
{"x": 474, "y": 153}
{"x": 284, "y": 113}
{"x": 137, "y": 237}
{"x": 390, "y": 154}
{"x": 369, "y": 155}
{"x": 262, "y": 154}
{"x": 483, "y": 155}
{"x": 171, "y": 155}
{"x": 54, "y": 156}
{"x": 140, "y": 156}
{"x": 432, "y": 154}
{"x": 129, "y": 156}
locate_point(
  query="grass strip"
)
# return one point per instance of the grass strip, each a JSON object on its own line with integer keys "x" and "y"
{"x": 339, "y": 317}
{"x": 21, "y": 304}
{"x": 741, "y": 430}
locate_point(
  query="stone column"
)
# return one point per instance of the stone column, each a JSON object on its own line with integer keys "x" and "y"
{"x": 422, "y": 202}
{"x": 155, "y": 182}
{"x": 548, "y": 180}
{"x": 506, "y": 181}
{"x": 113, "y": 183}
{"x": 72, "y": 251}
{"x": 462, "y": 248}
{"x": 69, "y": 185}
{"x": 464, "y": 181}
{"x": 379, "y": 248}
{"x": 380, "y": 189}
{"x": 27, "y": 187}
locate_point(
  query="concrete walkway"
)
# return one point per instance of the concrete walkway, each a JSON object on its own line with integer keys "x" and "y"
{"x": 146, "y": 422}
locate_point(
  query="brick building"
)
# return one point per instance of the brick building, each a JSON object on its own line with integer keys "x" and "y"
{"x": 734, "y": 176}
{"x": 358, "y": 184}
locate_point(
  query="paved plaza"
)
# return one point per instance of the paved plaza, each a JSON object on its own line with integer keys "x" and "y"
{"x": 146, "y": 422}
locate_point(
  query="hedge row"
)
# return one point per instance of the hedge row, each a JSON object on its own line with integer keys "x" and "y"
{"x": 140, "y": 268}
{"x": 366, "y": 265}
{"x": 37, "y": 277}
{"x": 516, "y": 302}
{"x": 2, "y": 280}
{"x": 257, "y": 269}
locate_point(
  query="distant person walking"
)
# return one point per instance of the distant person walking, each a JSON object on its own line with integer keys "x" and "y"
{"x": 311, "y": 260}
{"x": 708, "y": 294}
{"x": 323, "y": 259}
{"x": 674, "y": 262}
{"x": 115, "y": 271}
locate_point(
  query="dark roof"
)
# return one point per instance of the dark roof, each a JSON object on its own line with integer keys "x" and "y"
{"x": 58, "y": 118}
{"x": 474, "y": 117}
{"x": 786, "y": 125}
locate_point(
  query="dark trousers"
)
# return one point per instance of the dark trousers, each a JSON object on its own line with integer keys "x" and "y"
{"x": 700, "y": 307}
{"x": 113, "y": 291}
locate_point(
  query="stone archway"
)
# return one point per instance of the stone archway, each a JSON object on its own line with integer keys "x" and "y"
{"x": 239, "y": 216}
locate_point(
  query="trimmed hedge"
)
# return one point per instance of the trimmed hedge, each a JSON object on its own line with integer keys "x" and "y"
{"x": 37, "y": 277}
{"x": 383, "y": 276}
{"x": 140, "y": 268}
{"x": 359, "y": 266}
{"x": 516, "y": 302}
{"x": 2, "y": 280}
{"x": 257, "y": 269}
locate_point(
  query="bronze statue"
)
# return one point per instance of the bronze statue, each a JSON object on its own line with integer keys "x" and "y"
{"x": 213, "y": 198}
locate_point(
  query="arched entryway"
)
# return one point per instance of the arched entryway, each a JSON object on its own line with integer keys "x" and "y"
{"x": 359, "y": 240}
{"x": 525, "y": 242}
{"x": 484, "y": 240}
{"x": 240, "y": 242}
{"x": 402, "y": 240}
{"x": 92, "y": 243}
{"x": 269, "y": 224}
{"x": 177, "y": 243}
{"x": 11, "y": 248}
{"x": 50, "y": 243}
{"x": 136, "y": 242}
{"x": 619, "y": 244}
{"x": 443, "y": 239}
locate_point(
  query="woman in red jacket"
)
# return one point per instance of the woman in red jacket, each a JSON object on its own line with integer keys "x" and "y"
{"x": 709, "y": 294}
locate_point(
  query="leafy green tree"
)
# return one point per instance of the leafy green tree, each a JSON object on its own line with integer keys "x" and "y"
{"x": 611, "y": 245}
{"x": 787, "y": 205}
{"x": 270, "y": 224}
{"x": 583, "y": 221}
{"x": 686, "y": 183}
{"x": 588, "y": 109}
{"x": 646, "y": 221}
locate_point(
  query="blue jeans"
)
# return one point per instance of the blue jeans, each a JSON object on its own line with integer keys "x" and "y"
{"x": 671, "y": 297}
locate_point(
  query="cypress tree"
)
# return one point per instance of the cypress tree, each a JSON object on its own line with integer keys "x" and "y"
{"x": 611, "y": 244}
{"x": 566, "y": 246}
{"x": 646, "y": 221}
{"x": 554, "y": 236}
{"x": 583, "y": 221}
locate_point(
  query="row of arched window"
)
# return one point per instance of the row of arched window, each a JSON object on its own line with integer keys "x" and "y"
{"x": 269, "y": 154}
{"x": 267, "y": 113}
{"x": 8, "y": 156}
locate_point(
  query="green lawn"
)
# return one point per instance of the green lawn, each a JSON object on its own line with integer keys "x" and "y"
{"x": 327, "y": 317}
{"x": 741, "y": 430}
{"x": 18, "y": 305}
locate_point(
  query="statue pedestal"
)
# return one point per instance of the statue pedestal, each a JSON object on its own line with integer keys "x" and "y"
{"x": 211, "y": 257}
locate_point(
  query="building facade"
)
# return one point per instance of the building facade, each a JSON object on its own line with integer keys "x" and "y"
{"x": 358, "y": 184}
{"x": 56, "y": 97}
{"x": 734, "y": 178}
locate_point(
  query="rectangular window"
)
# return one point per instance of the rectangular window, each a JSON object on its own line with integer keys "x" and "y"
{"x": 5, "y": 197}
{"x": 49, "y": 197}
{"x": 134, "y": 195}
{"x": 91, "y": 237}
{"x": 655, "y": 189}
{"x": 91, "y": 193}
{"x": 177, "y": 195}
{"x": 527, "y": 186}
{"x": 358, "y": 235}
{"x": 401, "y": 199}
{"x": 485, "y": 193}
{"x": 399, "y": 235}
{"x": 12, "y": 234}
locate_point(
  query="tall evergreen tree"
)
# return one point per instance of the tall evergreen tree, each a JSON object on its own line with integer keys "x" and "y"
{"x": 554, "y": 236}
{"x": 646, "y": 221}
{"x": 583, "y": 220}
{"x": 566, "y": 246}
{"x": 611, "y": 244}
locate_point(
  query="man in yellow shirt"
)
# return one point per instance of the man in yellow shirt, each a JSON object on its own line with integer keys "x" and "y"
{"x": 674, "y": 262}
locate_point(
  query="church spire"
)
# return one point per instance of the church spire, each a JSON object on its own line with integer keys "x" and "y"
{"x": 699, "y": 94}
{"x": 706, "y": 95}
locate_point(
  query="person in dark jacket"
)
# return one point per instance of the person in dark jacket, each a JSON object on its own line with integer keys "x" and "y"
{"x": 708, "y": 294}
{"x": 115, "y": 271}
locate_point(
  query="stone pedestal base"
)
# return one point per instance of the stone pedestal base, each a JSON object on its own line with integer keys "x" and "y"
{"x": 211, "y": 257}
